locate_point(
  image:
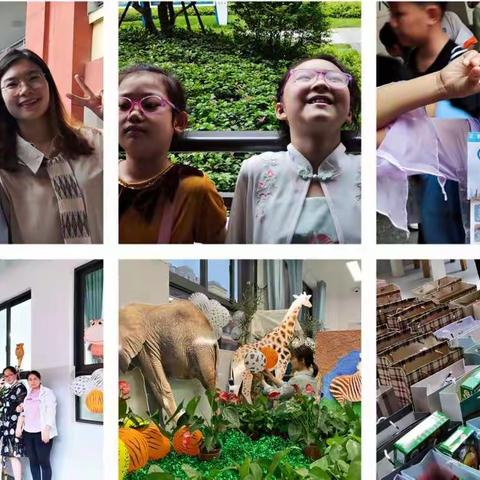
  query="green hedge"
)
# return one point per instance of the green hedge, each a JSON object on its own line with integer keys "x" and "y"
{"x": 342, "y": 9}
{"x": 226, "y": 89}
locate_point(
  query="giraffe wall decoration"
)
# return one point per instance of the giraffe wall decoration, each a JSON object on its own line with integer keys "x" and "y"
{"x": 278, "y": 339}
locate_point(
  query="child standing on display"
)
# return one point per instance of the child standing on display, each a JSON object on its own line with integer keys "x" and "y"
{"x": 309, "y": 193}
{"x": 159, "y": 201}
{"x": 37, "y": 426}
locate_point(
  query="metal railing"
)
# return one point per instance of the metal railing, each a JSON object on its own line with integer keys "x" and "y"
{"x": 246, "y": 142}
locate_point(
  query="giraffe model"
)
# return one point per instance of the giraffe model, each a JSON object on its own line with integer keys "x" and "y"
{"x": 279, "y": 339}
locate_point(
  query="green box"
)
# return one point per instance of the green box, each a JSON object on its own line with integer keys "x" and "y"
{"x": 470, "y": 385}
{"x": 462, "y": 445}
{"x": 425, "y": 435}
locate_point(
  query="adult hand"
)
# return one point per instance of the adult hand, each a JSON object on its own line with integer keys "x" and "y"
{"x": 90, "y": 100}
{"x": 19, "y": 408}
{"x": 461, "y": 77}
{"x": 268, "y": 374}
{"x": 46, "y": 435}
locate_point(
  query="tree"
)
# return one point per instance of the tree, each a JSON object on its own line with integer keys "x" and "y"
{"x": 280, "y": 30}
{"x": 144, "y": 9}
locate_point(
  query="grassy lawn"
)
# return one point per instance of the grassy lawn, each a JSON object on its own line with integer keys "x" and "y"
{"x": 345, "y": 22}
{"x": 210, "y": 23}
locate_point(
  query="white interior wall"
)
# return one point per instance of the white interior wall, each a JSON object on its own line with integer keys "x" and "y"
{"x": 52, "y": 285}
{"x": 343, "y": 308}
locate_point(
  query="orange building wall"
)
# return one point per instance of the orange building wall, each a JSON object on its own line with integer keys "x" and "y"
{"x": 60, "y": 33}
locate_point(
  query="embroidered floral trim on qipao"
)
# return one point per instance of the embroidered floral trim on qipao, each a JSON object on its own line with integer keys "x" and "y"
{"x": 265, "y": 186}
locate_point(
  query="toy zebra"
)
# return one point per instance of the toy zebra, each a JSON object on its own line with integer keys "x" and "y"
{"x": 347, "y": 388}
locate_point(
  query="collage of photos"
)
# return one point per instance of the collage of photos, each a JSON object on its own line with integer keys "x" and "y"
{"x": 234, "y": 345}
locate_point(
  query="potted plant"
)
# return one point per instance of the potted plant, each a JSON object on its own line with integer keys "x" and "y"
{"x": 224, "y": 415}
{"x": 313, "y": 422}
{"x": 256, "y": 418}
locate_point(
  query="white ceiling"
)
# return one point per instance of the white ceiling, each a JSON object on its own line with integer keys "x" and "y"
{"x": 12, "y": 23}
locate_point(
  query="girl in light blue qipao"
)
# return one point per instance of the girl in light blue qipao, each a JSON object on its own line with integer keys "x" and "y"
{"x": 309, "y": 193}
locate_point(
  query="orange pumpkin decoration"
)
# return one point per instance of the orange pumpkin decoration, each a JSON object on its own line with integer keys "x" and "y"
{"x": 271, "y": 356}
{"x": 94, "y": 401}
{"x": 187, "y": 442}
{"x": 137, "y": 447}
{"x": 158, "y": 444}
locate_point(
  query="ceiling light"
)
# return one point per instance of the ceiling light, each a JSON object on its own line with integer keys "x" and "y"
{"x": 354, "y": 269}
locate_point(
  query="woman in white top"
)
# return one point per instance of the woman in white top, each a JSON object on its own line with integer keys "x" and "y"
{"x": 51, "y": 172}
{"x": 309, "y": 193}
{"x": 303, "y": 379}
{"x": 37, "y": 425}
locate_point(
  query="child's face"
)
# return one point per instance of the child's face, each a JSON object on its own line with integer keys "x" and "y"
{"x": 308, "y": 106}
{"x": 142, "y": 131}
{"x": 297, "y": 365}
{"x": 25, "y": 91}
{"x": 412, "y": 22}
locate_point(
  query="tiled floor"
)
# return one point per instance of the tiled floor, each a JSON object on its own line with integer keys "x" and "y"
{"x": 414, "y": 278}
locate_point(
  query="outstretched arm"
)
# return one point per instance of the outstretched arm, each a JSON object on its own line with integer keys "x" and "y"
{"x": 460, "y": 78}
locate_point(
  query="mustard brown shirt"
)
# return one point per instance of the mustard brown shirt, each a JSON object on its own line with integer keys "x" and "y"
{"x": 199, "y": 213}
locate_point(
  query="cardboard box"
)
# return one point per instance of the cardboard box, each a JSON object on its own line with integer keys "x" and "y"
{"x": 387, "y": 403}
{"x": 457, "y": 329}
{"x": 462, "y": 446}
{"x": 472, "y": 356}
{"x": 396, "y": 320}
{"x": 402, "y": 374}
{"x": 388, "y": 293}
{"x": 452, "y": 291}
{"x": 470, "y": 339}
{"x": 451, "y": 404}
{"x": 425, "y": 434}
{"x": 426, "y": 393}
{"x": 428, "y": 288}
{"x": 392, "y": 308}
{"x": 466, "y": 303}
{"x": 470, "y": 385}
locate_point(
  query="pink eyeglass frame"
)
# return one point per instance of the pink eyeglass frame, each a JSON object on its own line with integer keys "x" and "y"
{"x": 134, "y": 103}
{"x": 319, "y": 72}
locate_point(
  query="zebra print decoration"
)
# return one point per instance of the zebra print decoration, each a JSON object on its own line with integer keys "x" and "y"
{"x": 347, "y": 388}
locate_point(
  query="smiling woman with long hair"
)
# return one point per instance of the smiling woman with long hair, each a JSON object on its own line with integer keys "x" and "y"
{"x": 50, "y": 171}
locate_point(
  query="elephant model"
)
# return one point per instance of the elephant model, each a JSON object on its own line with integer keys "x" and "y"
{"x": 173, "y": 340}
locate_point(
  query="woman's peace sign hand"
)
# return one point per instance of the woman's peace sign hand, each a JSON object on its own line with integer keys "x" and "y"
{"x": 92, "y": 101}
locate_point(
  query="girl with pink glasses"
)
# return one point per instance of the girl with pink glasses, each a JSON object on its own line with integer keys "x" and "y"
{"x": 161, "y": 201}
{"x": 309, "y": 193}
